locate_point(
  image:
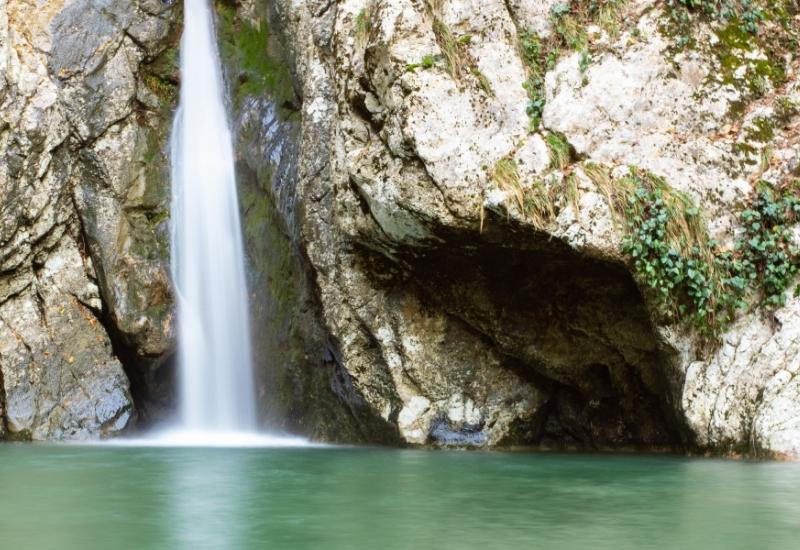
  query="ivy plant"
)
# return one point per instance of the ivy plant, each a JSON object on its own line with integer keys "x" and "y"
{"x": 767, "y": 255}
{"x": 692, "y": 278}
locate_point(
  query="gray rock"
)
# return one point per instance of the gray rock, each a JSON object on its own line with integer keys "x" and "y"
{"x": 80, "y": 204}
{"x": 61, "y": 380}
{"x": 400, "y": 293}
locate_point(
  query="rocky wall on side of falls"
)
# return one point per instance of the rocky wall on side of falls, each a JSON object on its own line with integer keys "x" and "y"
{"x": 445, "y": 207}
{"x": 86, "y": 94}
{"x": 456, "y": 209}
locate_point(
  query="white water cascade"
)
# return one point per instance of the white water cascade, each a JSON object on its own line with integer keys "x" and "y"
{"x": 216, "y": 390}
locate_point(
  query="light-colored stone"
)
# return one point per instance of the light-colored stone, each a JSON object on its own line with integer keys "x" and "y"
{"x": 61, "y": 380}
{"x": 411, "y": 242}
{"x": 442, "y": 313}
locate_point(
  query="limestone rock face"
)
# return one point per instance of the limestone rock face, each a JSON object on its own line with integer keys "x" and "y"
{"x": 83, "y": 243}
{"x": 747, "y": 392}
{"x": 60, "y": 377}
{"x": 430, "y": 213}
{"x": 458, "y": 317}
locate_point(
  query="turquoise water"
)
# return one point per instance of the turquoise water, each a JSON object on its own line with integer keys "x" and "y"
{"x": 68, "y": 497}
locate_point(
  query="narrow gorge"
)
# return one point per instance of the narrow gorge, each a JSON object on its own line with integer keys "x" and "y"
{"x": 466, "y": 223}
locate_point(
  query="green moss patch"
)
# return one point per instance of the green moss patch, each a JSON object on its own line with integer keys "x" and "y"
{"x": 364, "y": 23}
{"x": 165, "y": 90}
{"x": 752, "y": 40}
{"x": 739, "y": 67}
{"x": 252, "y": 60}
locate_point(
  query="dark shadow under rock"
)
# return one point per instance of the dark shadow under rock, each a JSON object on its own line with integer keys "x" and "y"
{"x": 576, "y": 324}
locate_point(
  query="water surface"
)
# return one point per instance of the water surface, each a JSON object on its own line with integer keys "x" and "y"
{"x": 71, "y": 497}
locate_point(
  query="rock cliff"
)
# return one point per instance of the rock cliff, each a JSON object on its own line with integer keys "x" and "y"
{"x": 85, "y": 90}
{"x": 478, "y": 194}
{"x": 469, "y": 223}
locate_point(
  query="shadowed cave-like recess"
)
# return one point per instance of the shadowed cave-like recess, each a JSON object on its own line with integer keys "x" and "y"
{"x": 573, "y": 326}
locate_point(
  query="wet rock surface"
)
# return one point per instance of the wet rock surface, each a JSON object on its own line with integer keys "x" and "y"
{"x": 83, "y": 241}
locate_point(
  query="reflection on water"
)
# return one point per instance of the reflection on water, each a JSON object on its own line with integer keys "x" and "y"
{"x": 320, "y": 498}
{"x": 209, "y": 500}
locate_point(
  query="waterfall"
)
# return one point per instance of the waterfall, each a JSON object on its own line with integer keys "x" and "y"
{"x": 215, "y": 374}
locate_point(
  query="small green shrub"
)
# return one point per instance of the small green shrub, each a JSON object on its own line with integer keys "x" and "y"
{"x": 583, "y": 66}
{"x": 163, "y": 88}
{"x": 750, "y": 16}
{"x": 585, "y": 61}
{"x": 428, "y": 62}
{"x": 746, "y": 10}
{"x": 572, "y": 193}
{"x": 747, "y": 16}
{"x": 506, "y": 176}
{"x": 786, "y": 109}
{"x": 451, "y": 48}
{"x": 455, "y": 55}
{"x": 560, "y": 151}
{"x": 569, "y": 19}
{"x": 535, "y": 201}
{"x": 568, "y": 27}
{"x": 670, "y": 250}
{"x": 538, "y": 59}
{"x": 453, "y": 52}
{"x": 483, "y": 82}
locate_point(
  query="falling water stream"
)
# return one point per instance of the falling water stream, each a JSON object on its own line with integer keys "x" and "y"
{"x": 135, "y": 496}
{"x": 216, "y": 387}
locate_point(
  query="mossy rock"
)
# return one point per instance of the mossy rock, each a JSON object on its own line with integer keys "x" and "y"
{"x": 22, "y": 435}
{"x": 252, "y": 59}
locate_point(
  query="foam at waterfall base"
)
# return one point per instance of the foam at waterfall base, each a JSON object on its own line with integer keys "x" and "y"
{"x": 206, "y": 438}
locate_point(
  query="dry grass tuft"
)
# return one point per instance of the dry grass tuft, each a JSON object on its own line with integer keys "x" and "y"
{"x": 537, "y": 201}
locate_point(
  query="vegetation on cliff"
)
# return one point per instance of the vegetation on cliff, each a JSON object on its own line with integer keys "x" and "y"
{"x": 695, "y": 279}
